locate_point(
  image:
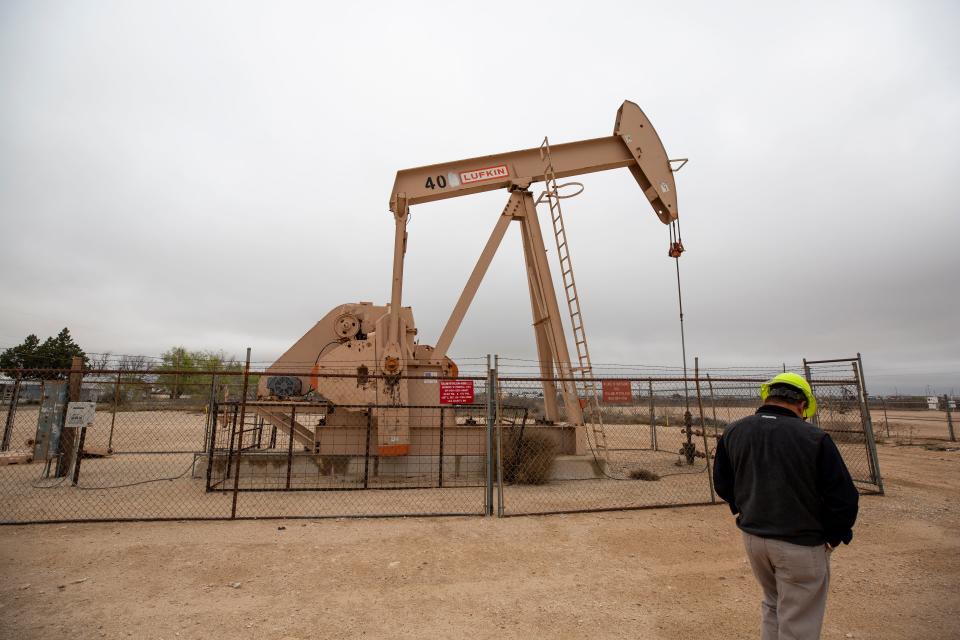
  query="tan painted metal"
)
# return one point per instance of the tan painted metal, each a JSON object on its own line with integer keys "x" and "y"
{"x": 549, "y": 309}
{"x": 380, "y": 339}
{"x": 634, "y": 144}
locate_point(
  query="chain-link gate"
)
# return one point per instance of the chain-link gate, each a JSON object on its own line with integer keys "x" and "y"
{"x": 652, "y": 456}
{"x": 843, "y": 412}
{"x": 285, "y": 460}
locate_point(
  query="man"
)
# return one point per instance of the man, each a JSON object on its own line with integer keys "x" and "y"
{"x": 794, "y": 500}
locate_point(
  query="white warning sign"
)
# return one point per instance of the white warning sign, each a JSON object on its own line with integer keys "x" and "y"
{"x": 80, "y": 414}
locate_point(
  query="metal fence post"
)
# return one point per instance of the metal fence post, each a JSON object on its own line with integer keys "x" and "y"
{"x": 867, "y": 424}
{"x": 815, "y": 418}
{"x": 886, "y": 420}
{"x": 440, "y": 456}
{"x": 228, "y": 469}
{"x": 491, "y": 416}
{"x": 243, "y": 413}
{"x": 215, "y": 409}
{"x": 366, "y": 449}
{"x": 713, "y": 405}
{"x": 946, "y": 407}
{"x": 211, "y": 401}
{"x": 499, "y": 428}
{"x": 653, "y": 417}
{"x": 11, "y": 415}
{"x": 293, "y": 421}
{"x": 703, "y": 427}
{"x": 113, "y": 412}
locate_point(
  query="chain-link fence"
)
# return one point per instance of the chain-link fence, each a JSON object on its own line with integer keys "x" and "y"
{"x": 215, "y": 445}
{"x": 637, "y": 449}
{"x": 647, "y": 442}
{"x": 136, "y": 461}
{"x": 906, "y": 419}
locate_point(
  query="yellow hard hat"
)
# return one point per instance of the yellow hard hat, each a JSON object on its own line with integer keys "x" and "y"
{"x": 796, "y": 381}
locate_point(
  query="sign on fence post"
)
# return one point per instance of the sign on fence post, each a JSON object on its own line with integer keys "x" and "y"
{"x": 456, "y": 392}
{"x": 80, "y": 415}
{"x": 617, "y": 392}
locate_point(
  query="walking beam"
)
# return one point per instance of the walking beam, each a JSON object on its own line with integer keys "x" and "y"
{"x": 634, "y": 144}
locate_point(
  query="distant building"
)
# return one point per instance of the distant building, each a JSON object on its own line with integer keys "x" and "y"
{"x": 935, "y": 403}
{"x": 31, "y": 392}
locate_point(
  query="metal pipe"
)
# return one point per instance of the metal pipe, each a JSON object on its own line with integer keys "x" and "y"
{"x": 806, "y": 362}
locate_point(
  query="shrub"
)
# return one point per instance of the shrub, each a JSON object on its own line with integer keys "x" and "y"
{"x": 644, "y": 474}
{"x": 527, "y": 456}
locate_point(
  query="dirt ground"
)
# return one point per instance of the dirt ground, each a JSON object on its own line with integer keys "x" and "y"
{"x": 670, "y": 573}
{"x": 913, "y": 426}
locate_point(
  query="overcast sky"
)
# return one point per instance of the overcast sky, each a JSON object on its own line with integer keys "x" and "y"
{"x": 217, "y": 174}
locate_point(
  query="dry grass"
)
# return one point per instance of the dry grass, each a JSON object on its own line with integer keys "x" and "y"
{"x": 644, "y": 474}
{"x": 528, "y": 457}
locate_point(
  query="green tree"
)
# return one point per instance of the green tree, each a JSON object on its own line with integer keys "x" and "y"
{"x": 22, "y": 356}
{"x": 184, "y": 373}
{"x": 46, "y": 360}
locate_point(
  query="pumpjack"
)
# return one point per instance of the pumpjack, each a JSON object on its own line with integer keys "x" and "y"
{"x": 377, "y": 343}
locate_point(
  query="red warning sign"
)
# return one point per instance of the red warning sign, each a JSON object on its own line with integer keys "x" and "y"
{"x": 482, "y": 175}
{"x": 456, "y": 392}
{"x": 617, "y": 392}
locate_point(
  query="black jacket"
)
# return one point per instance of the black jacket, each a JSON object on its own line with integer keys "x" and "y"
{"x": 784, "y": 479}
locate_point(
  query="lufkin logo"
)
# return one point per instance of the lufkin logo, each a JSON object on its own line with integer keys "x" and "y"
{"x": 482, "y": 175}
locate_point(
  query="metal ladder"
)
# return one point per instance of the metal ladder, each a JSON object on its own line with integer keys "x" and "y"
{"x": 585, "y": 386}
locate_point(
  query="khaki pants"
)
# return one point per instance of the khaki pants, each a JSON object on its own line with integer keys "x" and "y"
{"x": 794, "y": 579}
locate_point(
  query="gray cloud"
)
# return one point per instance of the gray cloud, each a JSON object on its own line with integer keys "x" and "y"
{"x": 217, "y": 174}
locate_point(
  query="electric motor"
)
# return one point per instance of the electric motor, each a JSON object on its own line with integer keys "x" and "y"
{"x": 284, "y": 386}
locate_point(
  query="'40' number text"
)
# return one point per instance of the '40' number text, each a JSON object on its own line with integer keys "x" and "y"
{"x": 433, "y": 183}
